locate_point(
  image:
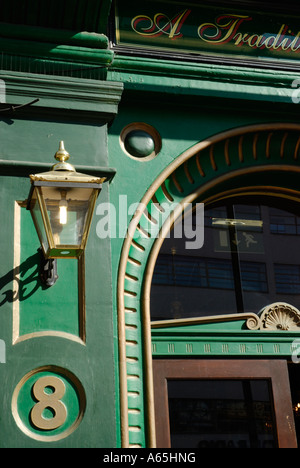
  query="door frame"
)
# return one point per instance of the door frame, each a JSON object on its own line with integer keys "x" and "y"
{"x": 274, "y": 370}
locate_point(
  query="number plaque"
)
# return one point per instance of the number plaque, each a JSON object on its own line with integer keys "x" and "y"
{"x": 48, "y": 404}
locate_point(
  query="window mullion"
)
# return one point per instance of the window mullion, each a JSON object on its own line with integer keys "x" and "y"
{"x": 235, "y": 259}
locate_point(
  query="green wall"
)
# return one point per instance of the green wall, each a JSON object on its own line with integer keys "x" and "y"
{"x": 37, "y": 315}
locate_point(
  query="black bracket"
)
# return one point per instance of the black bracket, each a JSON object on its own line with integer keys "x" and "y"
{"x": 48, "y": 270}
{"x": 14, "y": 108}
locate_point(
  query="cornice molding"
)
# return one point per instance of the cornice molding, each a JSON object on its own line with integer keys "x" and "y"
{"x": 203, "y": 80}
{"x": 75, "y": 96}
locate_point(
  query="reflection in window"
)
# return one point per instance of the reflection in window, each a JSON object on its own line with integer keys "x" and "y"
{"x": 287, "y": 279}
{"x": 196, "y": 272}
{"x": 221, "y": 414}
{"x": 282, "y": 222}
{"x": 244, "y": 265}
{"x": 254, "y": 277}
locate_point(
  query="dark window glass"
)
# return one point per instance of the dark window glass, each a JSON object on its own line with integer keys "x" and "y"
{"x": 287, "y": 279}
{"x": 221, "y": 414}
{"x": 196, "y": 272}
{"x": 284, "y": 223}
{"x": 254, "y": 277}
{"x": 250, "y": 258}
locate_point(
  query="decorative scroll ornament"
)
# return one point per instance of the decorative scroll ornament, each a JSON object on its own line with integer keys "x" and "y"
{"x": 253, "y": 322}
{"x": 280, "y": 316}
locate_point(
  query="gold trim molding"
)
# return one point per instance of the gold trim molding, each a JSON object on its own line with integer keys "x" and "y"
{"x": 253, "y": 322}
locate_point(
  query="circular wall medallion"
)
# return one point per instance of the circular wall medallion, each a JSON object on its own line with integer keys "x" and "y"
{"x": 48, "y": 403}
{"x": 140, "y": 141}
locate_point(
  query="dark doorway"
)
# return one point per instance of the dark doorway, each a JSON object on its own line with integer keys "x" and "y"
{"x": 224, "y": 404}
{"x": 294, "y": 373}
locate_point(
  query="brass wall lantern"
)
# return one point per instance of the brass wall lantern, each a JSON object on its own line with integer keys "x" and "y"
{"x": 62, "y": 203}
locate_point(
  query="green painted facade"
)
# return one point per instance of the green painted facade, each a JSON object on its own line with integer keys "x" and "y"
{"x": 88, "y": 92}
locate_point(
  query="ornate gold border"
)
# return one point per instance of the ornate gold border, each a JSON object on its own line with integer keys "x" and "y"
{"x": 199, "y": 191}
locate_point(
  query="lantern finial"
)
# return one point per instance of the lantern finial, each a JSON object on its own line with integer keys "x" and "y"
{"x": 62, "y": 156}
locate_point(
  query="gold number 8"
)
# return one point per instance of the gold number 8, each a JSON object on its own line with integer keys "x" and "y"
{"x": 50, "y": 401}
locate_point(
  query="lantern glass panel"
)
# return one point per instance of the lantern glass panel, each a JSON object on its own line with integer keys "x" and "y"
{"x": 68, "y": 210}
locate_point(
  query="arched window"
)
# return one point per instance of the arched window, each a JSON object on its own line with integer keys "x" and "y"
{"x": 250, "y": 258}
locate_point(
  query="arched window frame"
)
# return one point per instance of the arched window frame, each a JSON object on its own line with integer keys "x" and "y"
{"x": 253, "y": 160}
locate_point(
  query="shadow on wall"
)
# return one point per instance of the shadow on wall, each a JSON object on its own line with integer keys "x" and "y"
{"x": 21, "y": 282}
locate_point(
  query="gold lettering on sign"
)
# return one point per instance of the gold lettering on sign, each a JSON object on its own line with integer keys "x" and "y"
{"x": 160, "y": 24}
{"x": 223, "y": 30}
{"x": 226, "y": 29}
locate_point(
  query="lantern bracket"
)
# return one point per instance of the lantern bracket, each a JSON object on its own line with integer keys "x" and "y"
{"x": 48, "y": 270}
